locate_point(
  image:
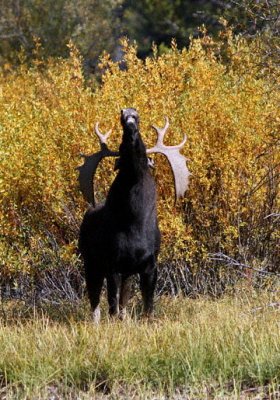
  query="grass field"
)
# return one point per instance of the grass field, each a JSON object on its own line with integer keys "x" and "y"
{"x": 192, "y": 349}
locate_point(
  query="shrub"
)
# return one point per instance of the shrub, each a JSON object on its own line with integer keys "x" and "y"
{"x": 229, "y": 111}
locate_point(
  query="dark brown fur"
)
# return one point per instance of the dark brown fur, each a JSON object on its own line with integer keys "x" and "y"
{"x": 120, "y": 237}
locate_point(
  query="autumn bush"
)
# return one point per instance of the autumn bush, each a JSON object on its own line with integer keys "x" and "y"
{"x": 212, "y": 91}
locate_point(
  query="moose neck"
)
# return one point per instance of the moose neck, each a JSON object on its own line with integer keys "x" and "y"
{"x": 126, "y": 196}
{"x": 133, "y": 158}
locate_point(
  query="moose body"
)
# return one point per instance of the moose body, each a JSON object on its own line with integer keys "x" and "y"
{"x": 120, "y": 238}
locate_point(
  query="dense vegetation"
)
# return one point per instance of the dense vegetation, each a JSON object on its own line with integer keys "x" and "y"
{"x": 220, "y": 88}
{"x": 95, "y": 26}
{"x": 229, "y": 112}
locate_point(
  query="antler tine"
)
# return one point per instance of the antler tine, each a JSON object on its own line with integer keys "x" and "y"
{"x": 160, "y": 137}
{"x": 102, "y": 137}
{"x": 161, "y": 132}
{"x": 179, "y": 146}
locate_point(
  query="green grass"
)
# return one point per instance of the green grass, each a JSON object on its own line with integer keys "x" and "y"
{"x": 197, "y": 349}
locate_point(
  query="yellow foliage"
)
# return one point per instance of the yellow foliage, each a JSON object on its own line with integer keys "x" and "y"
{"x": 229, "y": 113}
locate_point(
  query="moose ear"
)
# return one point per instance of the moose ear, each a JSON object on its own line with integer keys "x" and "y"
{"x": 151, "y": 163}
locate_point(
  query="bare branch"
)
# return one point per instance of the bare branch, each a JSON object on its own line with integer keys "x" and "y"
{"x": 231, "y": 262}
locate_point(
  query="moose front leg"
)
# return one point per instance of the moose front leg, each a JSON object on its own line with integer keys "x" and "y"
{"x": 94, "y": 283}
{"x": 113, "y": 293}
{"x": 148, "y": 284}
{"x": 124, "y": 294}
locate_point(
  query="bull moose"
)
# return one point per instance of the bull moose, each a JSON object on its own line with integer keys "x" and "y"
{"x": 120, "y": 237}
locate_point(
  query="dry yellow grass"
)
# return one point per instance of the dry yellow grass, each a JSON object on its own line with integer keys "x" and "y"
{"x": 196, "y": 349}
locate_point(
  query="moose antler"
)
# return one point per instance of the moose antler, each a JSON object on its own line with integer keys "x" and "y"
{"x": 176, "y": 160}
{"x": 87, "y": 170}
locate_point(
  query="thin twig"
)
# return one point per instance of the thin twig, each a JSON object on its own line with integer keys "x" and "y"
{"x": 232, "y": 262}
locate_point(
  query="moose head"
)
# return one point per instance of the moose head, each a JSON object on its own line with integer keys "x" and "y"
{"x": 130, "y": 119}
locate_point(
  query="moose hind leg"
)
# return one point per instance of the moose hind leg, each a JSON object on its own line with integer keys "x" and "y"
{"x": 113, "y": 293}
{"x": 124, "y": 294}
{"x": 148, "y": 284}
{"x": 94, "y": 284}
